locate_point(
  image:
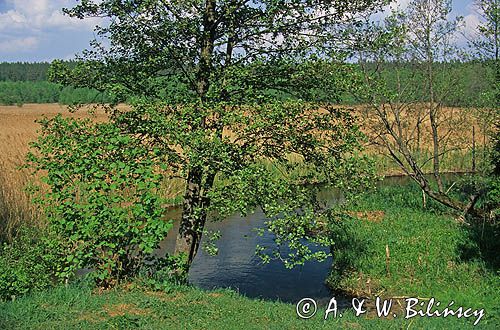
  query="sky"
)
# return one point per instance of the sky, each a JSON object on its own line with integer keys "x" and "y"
{"x": 37, "y": 30}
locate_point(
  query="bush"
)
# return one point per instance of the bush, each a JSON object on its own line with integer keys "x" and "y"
{"x": 28, "y": 264}
{"x": 101, "y": 197}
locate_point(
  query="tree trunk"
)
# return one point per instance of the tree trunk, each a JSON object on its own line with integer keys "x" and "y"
{"x": 189, "y": 235}
{"x": 195, "y": 202}
{"x": 473, "y": 149}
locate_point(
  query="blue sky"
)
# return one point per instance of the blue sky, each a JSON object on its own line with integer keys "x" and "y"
{"x": 36, "y": 30}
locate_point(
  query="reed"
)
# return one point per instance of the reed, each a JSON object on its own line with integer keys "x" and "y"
{"x": 18, "y": 128}
{"x": 16, "y": 208}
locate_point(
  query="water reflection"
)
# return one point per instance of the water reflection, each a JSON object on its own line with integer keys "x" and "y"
{"x": 236, "y": 266}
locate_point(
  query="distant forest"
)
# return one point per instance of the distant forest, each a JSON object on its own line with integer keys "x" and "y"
{"x": 22, "y": 83}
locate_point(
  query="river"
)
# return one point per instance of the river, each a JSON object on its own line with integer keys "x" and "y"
{"x": 237, "y": 267}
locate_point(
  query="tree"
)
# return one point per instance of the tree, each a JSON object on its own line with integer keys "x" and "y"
{"x": 236, "y": 147}
{"x": 487, "y": 38}
{"x": 417, "y": 46}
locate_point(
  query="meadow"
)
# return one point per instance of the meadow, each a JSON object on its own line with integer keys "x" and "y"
{"x": 18, "y": 128}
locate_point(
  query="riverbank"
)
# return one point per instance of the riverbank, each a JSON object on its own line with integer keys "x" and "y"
{"x": 191, "y": 308}
{"x": 394, "y": 248}
{"x": 391, "y": 248}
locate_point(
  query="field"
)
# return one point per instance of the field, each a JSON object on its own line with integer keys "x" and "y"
{"x": 18, "y": 128}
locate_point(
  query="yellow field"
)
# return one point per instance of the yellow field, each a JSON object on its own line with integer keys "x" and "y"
{"x": 18, "y": 128}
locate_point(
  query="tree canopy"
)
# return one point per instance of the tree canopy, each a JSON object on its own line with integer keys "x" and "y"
{"x": 235, "y": 146}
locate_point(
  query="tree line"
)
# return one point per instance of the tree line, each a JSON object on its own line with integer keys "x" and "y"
{"x": 22, "y": 83}
{"x": 21, "y": 92}
{"x": 25, "y": 82}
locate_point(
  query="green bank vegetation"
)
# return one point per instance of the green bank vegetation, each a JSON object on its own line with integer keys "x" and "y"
{"x": 430, "y": 256}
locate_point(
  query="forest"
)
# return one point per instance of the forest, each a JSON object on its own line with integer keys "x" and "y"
{"x": 22, "y": 83}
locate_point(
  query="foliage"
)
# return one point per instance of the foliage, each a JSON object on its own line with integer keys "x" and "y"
{"x": 29, "y": 263}
{"x": 485, "y": 40}
{"x": 496, "y": 152}
{"x": 22, "y": 92}
{"x": 256, "y": 168}
{"x": 100, "y": 196}
{"x": 226, "y": 125}
{"x": 23, "y": 71}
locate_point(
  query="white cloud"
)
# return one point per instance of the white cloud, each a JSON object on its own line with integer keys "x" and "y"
{"x": 471, "y": 21}
{"x": 387, "y": 10}
{"x": 12, "y": 20}
{"x": 34, "y": 26}
{"x": 40, "y": 15}
{"x": 19, "y": 45}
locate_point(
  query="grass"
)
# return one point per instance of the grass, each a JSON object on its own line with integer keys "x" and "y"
{"x": 414, "y": 252}
{"x": 15, "y": 206}
{"x": 426, "y": 260}
{"x": 456, "y": 161}
{"x": 17, "y": 129}
{"x": 185, "y": 308}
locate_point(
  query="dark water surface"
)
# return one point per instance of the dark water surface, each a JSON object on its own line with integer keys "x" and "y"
{"x": 236, "y": 266}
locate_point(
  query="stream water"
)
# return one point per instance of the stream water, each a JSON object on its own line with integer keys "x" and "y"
{"x": 236, "y": 266}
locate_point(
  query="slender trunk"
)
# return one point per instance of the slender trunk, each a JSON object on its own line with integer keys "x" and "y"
{"x": 473, "y": 149}
{"x": 433, "y": 112}
{"x": 497, "y": 54}
{"x": 418, "y": 133}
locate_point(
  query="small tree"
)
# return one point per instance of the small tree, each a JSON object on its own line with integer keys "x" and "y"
{"x": 486, "y": 43}
{"x": 223, "y": 131}
{"x": 416, "y": 48}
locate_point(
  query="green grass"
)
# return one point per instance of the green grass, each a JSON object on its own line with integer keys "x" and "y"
{"x": 430, "y": 256}
{"x": 183, "y": 308}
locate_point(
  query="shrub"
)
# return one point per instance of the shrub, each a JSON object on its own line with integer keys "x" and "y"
{"x": 101, "y": 196}
{"x": 28, "y": 263}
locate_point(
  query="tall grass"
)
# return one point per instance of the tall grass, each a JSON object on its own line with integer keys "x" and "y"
{"x": 412, "y": 251}
{"x": 17, "y": 129}
{"x": 16, "y": 208}
{"x": 456, "y": 161}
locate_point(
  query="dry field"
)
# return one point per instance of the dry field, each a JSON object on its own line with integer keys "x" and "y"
{"x": 459, "y": 132}
{"x": 18, "y": 128}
